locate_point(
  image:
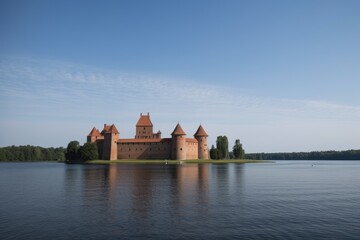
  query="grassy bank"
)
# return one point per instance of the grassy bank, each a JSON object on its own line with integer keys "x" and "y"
{"x": 194, "y": 161}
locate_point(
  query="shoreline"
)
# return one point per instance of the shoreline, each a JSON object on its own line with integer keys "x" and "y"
{"x": 195, "y": 161}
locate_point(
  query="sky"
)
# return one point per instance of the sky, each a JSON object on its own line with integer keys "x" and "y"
{"x": 281, "y": 76}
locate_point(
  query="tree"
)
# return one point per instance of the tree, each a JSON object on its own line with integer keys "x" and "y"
{"x": 238, "y": 150}
{"x": 214, "y": 153}
{"x": 31, "y": 153}
{"x": 88, "y": 151}
{"x": 72, "y": 151}
{"x": 222, "y": 145}
{"x": 59, "y": 154}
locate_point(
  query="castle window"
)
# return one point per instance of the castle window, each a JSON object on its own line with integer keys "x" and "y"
{"x": 144, "y": 128}
{"x": 180, "y": 149}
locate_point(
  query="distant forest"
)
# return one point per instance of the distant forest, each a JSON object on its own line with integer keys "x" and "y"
{"x": 31, "y": 154}
{"x": 35, "y": 153}
{"x": 323, "y": 155}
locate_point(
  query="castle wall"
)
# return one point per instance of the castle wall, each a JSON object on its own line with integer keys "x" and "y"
{"x": 191, "y": 146}
{"x": 100, "y": 146}
{"x": 144, "y": 132}
{"x": 106, "y": 148}
{"x": 110, "y": 146}
{"x": 145, "y": 149}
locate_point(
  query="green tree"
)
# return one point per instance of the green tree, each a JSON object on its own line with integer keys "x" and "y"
{"x": 72, "y": 151}
{"x": 88, "y": 151}
{"x": 238, "y": 150}
{"x": 59, "y": 154}
{"x": 222, "y": 145}
{"x": 214, "y": 153}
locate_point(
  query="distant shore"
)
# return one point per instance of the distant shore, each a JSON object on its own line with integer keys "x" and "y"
{"x": 194, "y": 161}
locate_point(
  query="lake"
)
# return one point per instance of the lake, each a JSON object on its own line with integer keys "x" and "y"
{"x": 282, "y": 200}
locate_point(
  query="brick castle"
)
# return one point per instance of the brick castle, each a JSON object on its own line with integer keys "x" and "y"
{"x": 149, "y": 145}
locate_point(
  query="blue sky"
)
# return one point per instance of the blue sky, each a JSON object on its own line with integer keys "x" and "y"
{"x": 279, "y": 75}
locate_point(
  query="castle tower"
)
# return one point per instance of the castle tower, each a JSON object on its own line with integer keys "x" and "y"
{"x": 144, "y": 127}
{"x": 178, "y": 143}
{"x": 111, "y": 137}
{"x": 201, "y": 136}
{"x": 93, "y": 135}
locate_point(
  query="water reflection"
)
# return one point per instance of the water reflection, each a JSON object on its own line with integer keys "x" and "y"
{"x": 227, "y": 179}
{"x": 252, "y": 201}
{"x": 191, "y": 184}
{"x": 143, "y": 191}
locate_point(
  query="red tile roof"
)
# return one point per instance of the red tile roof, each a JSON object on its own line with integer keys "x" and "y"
{"x": 109, "y": 129}
{"x": 94, "y": 133}
{"x": 200, "y": 132}
{"x": 113, "y": 129}
{"x": 144, "y": 121}
{"x": 178, "y": 130}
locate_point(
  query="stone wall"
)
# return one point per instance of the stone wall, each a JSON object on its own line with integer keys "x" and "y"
{"x": 153, "y": 149}
{"x": 130, "y": 149}
{"x": 191, "y": 149}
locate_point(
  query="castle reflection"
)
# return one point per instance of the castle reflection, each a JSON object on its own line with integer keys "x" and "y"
{"x": 137, "y": 190}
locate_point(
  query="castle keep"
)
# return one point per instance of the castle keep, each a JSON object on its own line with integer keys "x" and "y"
{"x": 149, "y": 145}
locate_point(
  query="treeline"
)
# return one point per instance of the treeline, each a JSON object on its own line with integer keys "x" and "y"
{"x": 322, "y": 155}
{"x": 31, "y": 154}
{"x": 222, "y": 149}
{"x": 75, "y": 153}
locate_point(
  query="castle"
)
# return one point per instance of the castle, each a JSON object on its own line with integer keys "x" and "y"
{"x": 149, "y": 145}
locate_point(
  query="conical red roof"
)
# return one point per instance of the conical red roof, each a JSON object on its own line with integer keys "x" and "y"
{"x": 200, "y": 132}
{"x": 94, "y": 133}
{"x": 109, "y": 129}
{"x": 113, "y": 129}
{"x": 144, "y": 121}
{"x": 178, "y": 130}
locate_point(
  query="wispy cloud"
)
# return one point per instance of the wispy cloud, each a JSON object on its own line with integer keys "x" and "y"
{"x": 38, "y": 91}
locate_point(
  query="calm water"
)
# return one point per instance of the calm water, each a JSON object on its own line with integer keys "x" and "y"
{"x": 283, "y": 200}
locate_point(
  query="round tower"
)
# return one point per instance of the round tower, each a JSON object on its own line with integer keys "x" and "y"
{"x": 178, "y": 143}
{"x": 201, "y": 136}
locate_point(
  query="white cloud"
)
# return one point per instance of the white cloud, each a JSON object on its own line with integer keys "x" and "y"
{"x": 59, "y": 94}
